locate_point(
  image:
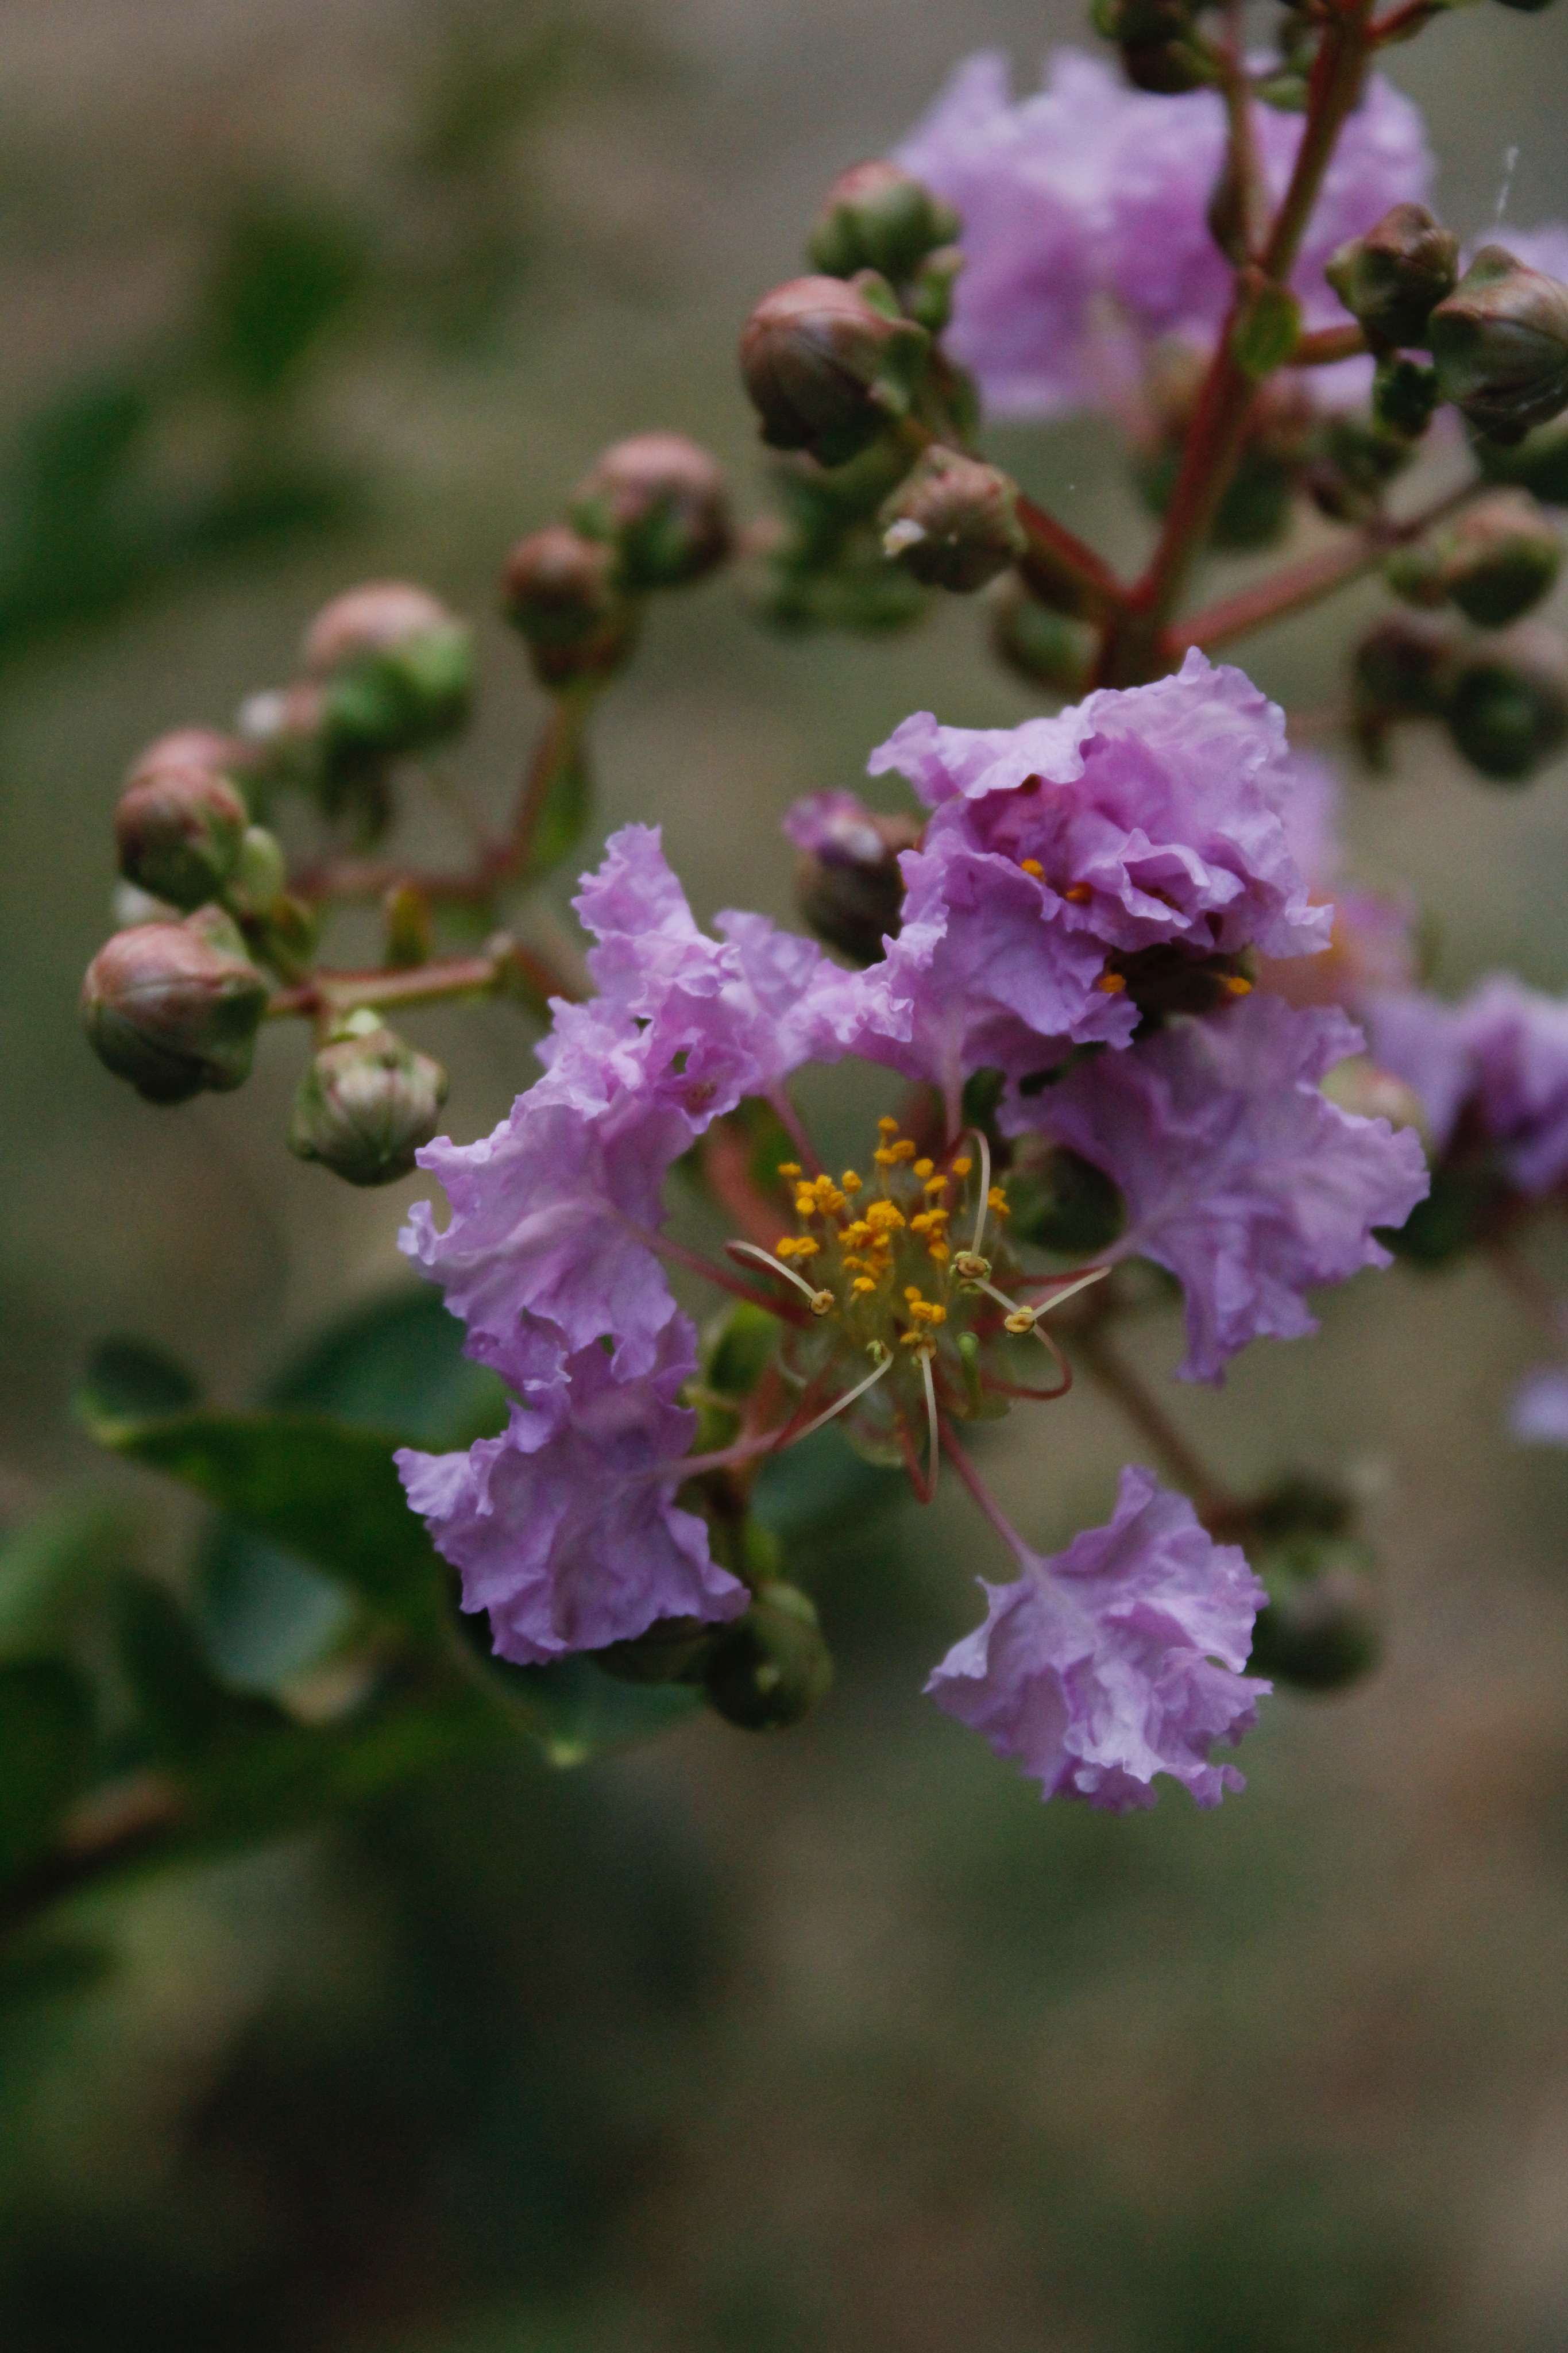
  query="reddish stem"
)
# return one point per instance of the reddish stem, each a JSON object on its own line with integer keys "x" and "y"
{"x": 1327, "y": 345}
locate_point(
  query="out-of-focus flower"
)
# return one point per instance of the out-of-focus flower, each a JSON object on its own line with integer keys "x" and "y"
{"x": 1373, "y": 948}
{"x": 1498, "y": 1062}
{"x": 1117, "y": 1659}
{"x": 1240, "y": 1178}
{"x": 1538, "y": 1414}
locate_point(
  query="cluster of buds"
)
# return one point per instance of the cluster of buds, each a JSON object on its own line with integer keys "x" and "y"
{"x": 1496, "y": 560}
{"x": 1503, "y": 699}
{"x": 653, "y": 513}
{"x": 1283, "y": 435}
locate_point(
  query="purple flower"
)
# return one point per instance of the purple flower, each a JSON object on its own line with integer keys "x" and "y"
{"x": 1499, "y": 1058}
{"x": 1115, "y": 1660}
{"x": 1146, "y": 818}
{"x": 564, "y": 1528}
{"x": 1085, "y": 212}
{"x": 554, "y": 1215}
{"x": 1373, "y": 950}
{"x": 1538, "y": 1415}
{"x": 1238, "y": 1174}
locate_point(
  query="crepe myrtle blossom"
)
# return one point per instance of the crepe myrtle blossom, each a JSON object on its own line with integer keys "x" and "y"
{"x": 1115, "y": 1660}
{"x": 1135, "y": 843}
{"x": 1056, "y": 859}
{"x": 1372, "y": 950}
{"x": 1538, "y": 1414}
{"x": 1492, "y": 1068}
{"x": 1085, "y": 212}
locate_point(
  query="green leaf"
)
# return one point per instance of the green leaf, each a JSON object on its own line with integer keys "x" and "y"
{"x": 822, "y": 1486}
{"x": 46, "y": 1749}
{"x": 185, "y": 1713}
{"x": 576, "y": 1712}
{"x": 283, "y": 277}
{"x": 54, "y": 1572}
{"x": 1267, "y": 332}
{"x": 134, "y": 1380}
{"x": 326, "y": 1491}
{"x": 397, "y": 1362}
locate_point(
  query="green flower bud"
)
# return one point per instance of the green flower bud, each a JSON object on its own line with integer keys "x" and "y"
{"x": 879, "y": 217}
{"x": 953, "y": 522}
{"x": 672, "y": 1651}
{"x": 1500, "y": 344}
{"x": 174, "y": 1007}
{"x": 1507, "y": 711}
{"x": 261, "y": 873}
{"x": 1390, "y": 279}
{"x": 664, "y": 505}
{"x": 1061, "y": 1202}
{"x": 772, "y": 1667}
{"x": 1466, "y": 1207}
{"x": 847, "y": 884}
{"x": 1539, "y": 464}
{"x": 830, "y": 363}
{"x": 398, "y": 668}
{"x": 1321, "y": 1629}
{"x": 179, "y": 822}
{"x": 1499, "y": 557}
{"x": 366, "y": 1104}
{"x": 1403, "y": 398}
{"x": 560, "y": 591}
{"x": 1401, "y": 670}
{"x": 1039, "y": 646}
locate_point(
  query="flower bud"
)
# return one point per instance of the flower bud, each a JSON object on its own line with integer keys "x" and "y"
{"x": 1358, "y": 1086}
{"x": 1507, "y": 711}
{"x": 1500, "y": 557}
{"x": 1320, "y": 1629}
{"x": 180, "y": 821}
{"x": 829, "y": 362}
{"x": 847, "y": 884}
{"x": 398, "y": 667}
{"x": 1403, "y": 397}
{"x": 559, "y": 591}
{"x": 1061, "y": 1202}
{"x": 954, "y": 523}
{"x": 1401, "y": 669}
{"x": 1039, "y": 646}
{"x": 1500, "y": 344}
{"x": 260, "y": 874}
{"x": 672, "y": 1651}
{"x": 879, "y": 217}
{"x": 1390, "y": 279}
{"x": 1156, "y": 40}
{"x": 1538, "y": 464}
{"x": 773, "y": 1667}
{"x": 174, "y": 1007}
{"x": 664, "y": 505}
{"x": 366, "y": 1104}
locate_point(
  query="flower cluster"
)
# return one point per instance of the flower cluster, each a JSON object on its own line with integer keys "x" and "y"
{"x": 1078, "y": 914}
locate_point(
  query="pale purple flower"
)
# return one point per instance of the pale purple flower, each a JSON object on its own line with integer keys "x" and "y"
{"x": 1115, "y": 1660}
{"x": 1143, "y": 817}
{"x": 555, "y": 1214}
{"x": 1538, "y": 1415}
{"x": 564, "y": 1528}
{"x": 1239, "y": 1175}
{"x": 1498, "y": 1059}
{"x": 1373, "y": 951}
{"x": 1085, "y": 219}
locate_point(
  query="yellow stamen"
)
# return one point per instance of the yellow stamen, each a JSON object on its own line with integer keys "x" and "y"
{"x": 996, "y": 1200}
{"x": 884, "y": 1217}
{"x": 1079, "y": 893}
{"x": 804, "y": 1202}
{"x": 1236, "y": 984}
{"x": 935, "y": 1184}
{"x": 963, "y": 1164}
{"x": 939, "y": 1252}
{"x": 789, "y": 1168}
{"x": 1032, "y": 866}
{"x": 912, "y": 1290}
{"x": 888, "y": 1126}
{"x": 850, "y": 1182}
{"x": 1112, "y": 983}
{"x": 863, "y": 1282}
{"x": 923, "y": 1167}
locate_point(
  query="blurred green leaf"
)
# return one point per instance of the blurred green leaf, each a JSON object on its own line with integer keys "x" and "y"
{"x": 395, "y": 1363}
{"x": 822, "y": 1487}
{"x": 324, "y": 1490}
{"x": 134, "y": 1380}
{"x": 563, "y": 820}
{"x": 284, "y": 274}
{"x": 54, "y": 1572}
{"x": 46, "y": 1748}
{"x": 576, "y": 1712}
{"x": 185, "y": 1712}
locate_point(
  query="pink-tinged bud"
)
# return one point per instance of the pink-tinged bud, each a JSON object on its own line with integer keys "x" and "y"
{"x": 1499, "y": 344}
{"x": 1494, "y": 561}
{"x": 179, "y": 822}
{"x": 954, "y": 523}
{"x": 772, "y": 1667}
{"x": 1358, "y": 1086}
{"x": 559, "y": 590}
{"x": 207, "y": 748}
{"x": 1508, "y": 710}
{"x": 1390, "y": 278}
{"x": 397, "y": 667}
{"x": 847, "y": 884}
{"x": 879, "y": 217}
{"x": 174, "y": 1007}
{"x": 367, "y": 1104}
{"x": 829, "y": 364}
{"x": 663, "y": 504}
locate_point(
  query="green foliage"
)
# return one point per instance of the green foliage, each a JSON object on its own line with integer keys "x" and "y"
{"x": 283, "y": 276}
{"x": 46, "y": 1746}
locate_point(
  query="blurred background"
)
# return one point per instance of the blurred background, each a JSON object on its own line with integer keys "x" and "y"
{"x": 840, "y": 2039}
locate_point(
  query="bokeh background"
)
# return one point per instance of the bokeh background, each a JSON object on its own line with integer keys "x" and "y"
{"x": 725, "y": 2045}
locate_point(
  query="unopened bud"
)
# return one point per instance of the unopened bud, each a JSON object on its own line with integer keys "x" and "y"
{"x": 1500, "y": 557}
{"x": 672, "y": 1650}
{"x": 772, "y": 1667}
{"x": 663, "y": 505}
{"x": 1159, "y": 52}
{"x": 260, "y": 874}
{"x": 366, "y": 1104}
{"x": 559, "y": 591}
{"x": 1405, "y": 396}
{"x": 1538, "y": 464}
{"x": 1390, "y": 278}
{"x": 1321, "y": 1629}
{"x": 1401, "y": 669}
{"x": 879, "y": 217}
{"x": 848, "y": 883}
{"x": 953, "y": 522}
{"x": 180, "y": 821}
{"x": 398, "y": 667}
{"x": 1357, "y": 1085}
{"x": 1061, "y": 1202}
{"x": 1499, "y": 344}
{"x": 829, "y": 364}
{"x": 174, "y": 1007}
{"x": 1042, "y": 647}
{"x": 1507, "y": 711}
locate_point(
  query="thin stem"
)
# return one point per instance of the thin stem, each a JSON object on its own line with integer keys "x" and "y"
{"x": 327, "y": 993}
{"x": 986, "y": 1500}
{"x": 710, "y": 1271}
{"x": 1111, "y": 1371}
{"x": 559, "y": 743}
{"x": 1305, "y": 583}
{"x": 1327, "y": 345}
{"x": 122, "y": 1826}
{"x": 1063, "y": 571}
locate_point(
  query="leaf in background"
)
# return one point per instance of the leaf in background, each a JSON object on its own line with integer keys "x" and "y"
{"x": 283, "y": 276}
{"x": 46, "y": 1748}
{"x": 576, "y": 1712}
{"x": 135, "y": 1380}
{"x": 183, "y": 1712}
{"x": 397, "y": 1362}
{"x": 54, "y": 1573}
{"x": 564, "y": 817}
{"x": 822, "y": 1488}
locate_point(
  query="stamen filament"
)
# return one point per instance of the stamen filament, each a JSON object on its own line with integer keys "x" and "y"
{"x": 979, "y": 1135}
{"x": 934, "y": 1422}
{"x": 819, "y": 1302}
{"x": 842, "y": 1404}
